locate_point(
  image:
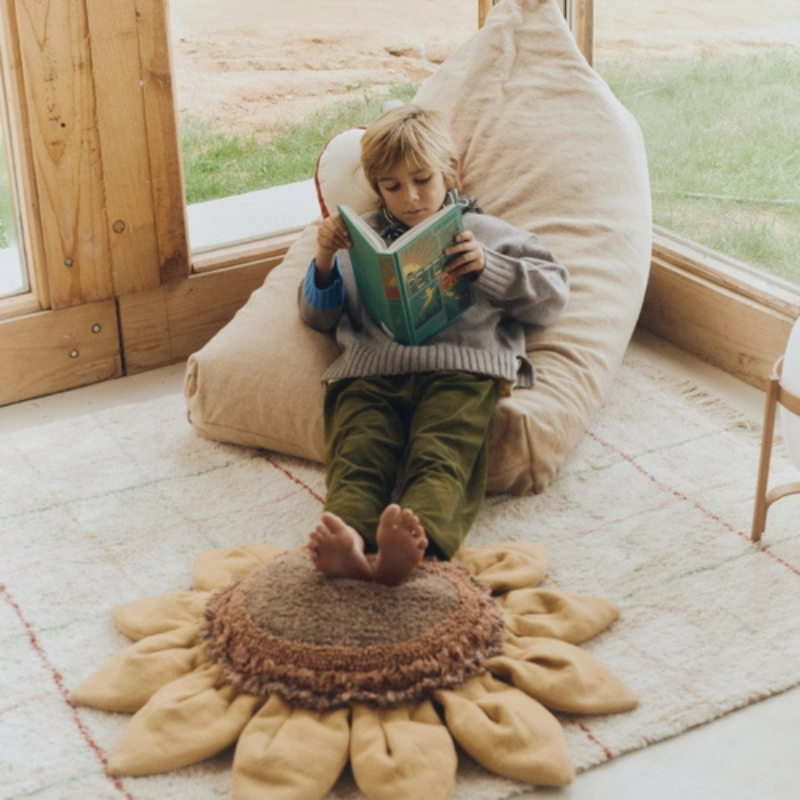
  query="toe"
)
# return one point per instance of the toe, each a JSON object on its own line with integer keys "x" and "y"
{"x": 318, "y": 533}
{"x": 391, "y": 514}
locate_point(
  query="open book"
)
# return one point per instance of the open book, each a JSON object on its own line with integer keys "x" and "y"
{"x": 404, "y": 287}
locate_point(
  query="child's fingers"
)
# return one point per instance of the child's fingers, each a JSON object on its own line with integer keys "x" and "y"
{"x": 332, "y": 237}
{"x": 464, "y": 243}
{"x": 339, "y": 232}
{"x": 467, "y": 256}
{"x": 337, "y": 224}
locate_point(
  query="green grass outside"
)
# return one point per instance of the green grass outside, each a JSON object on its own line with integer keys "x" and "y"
{"x": 723, "y": 143}
{"x": 220, "y": 164}
{"x": 721, "y": 134}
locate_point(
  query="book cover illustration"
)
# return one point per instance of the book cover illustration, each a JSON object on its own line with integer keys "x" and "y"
{"x": 403, "y": 286}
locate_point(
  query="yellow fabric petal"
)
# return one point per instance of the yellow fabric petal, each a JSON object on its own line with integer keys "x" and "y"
{"x": 217, "y": 568}
{"x": 288, "y": 753}
{"x": 561, "y": 615}
{"x": 504, "y": 567}
{"x": 507, "y": 732}
{"x": 186, "y": 721}
{"x": 152, "y": 615}
{"x": 402, "y": 752}
{"x": 133, "y": 676}
{"x": 563, "y": 677}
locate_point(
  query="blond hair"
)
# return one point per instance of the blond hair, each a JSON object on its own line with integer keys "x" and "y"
{"x": 410, "y": 135}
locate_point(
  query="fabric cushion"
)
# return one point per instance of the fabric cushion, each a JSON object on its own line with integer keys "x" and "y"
{"x": 339, "y": 177}
{"x": 546, "y": 146}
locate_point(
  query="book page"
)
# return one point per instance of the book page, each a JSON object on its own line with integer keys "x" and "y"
{"x": 358, "y": 229}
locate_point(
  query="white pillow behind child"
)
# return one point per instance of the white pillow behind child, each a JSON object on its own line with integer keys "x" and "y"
{"x": 339, "y": 177}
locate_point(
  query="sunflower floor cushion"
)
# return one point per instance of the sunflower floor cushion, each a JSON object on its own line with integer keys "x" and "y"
{"x": 545, "y": 145}
{"x": 304, "y": 674}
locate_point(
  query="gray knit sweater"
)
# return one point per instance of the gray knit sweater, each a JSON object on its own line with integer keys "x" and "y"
{"x": 521, "y": 285}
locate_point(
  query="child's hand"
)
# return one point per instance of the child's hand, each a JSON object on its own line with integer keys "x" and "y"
{"x": 331, "y": 236}
{"x": 468, "y": 256}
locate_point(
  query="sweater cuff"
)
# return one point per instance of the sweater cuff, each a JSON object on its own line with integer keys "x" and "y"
{"x": 330, "y": 297}
{"x": 495, "y": 278}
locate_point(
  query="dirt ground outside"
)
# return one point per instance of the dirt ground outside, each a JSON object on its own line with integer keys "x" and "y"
{"x": 256, "y": 64}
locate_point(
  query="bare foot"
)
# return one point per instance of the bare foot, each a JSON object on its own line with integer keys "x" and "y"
{"x": 337, "y": 550}
{"x": 401, "y": 545}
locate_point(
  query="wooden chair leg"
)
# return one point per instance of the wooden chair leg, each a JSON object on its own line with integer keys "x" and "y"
{"x": 761, "y": 502}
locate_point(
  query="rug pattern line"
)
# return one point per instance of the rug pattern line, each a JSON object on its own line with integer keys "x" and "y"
{"x": 698, "y": 506}
{"x": 58, "y": 680}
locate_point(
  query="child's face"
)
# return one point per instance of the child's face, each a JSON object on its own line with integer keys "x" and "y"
{"x": 412, "y": 194}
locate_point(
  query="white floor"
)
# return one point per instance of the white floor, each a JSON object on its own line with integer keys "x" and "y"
{"x": 752, "y": 754}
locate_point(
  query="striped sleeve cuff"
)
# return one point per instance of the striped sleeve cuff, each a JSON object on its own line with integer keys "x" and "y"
{"x": 331, "y": 297}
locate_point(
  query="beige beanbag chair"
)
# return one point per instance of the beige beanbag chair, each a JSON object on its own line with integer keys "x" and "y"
{"x": 546, "y": 146}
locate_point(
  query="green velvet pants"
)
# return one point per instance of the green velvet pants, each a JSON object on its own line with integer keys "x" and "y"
{"x": 431, "y": 430}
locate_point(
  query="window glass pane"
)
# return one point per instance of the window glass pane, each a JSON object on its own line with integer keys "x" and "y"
{"x": 715, "y": 87}
{"x": 13, "y": 278}
{"x": 261, "y": 85}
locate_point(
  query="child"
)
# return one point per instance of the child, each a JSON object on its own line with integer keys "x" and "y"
{"x": 422, "y": 410}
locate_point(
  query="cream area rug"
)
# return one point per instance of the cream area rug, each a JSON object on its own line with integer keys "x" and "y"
{"x": 651, "y": 512}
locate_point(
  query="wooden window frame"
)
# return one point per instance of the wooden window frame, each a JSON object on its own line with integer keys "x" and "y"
{"x": 724, "y": 312}
{"x": 95, "y": 142}
{"x": 96, "y": 150}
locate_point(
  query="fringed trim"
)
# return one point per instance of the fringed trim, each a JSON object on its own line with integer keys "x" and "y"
{"x": 690, "y": 390}
{"x": 324, "y": 677}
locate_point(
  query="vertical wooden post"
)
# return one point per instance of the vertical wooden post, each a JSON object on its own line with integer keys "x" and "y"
{"x": 163, "y": 140}
{"x": 582, "y": 24}
{"x": 60, "y": 106}
{"x": 139, "y": 142}
{"x": 484, "y": 7}
{"x": 116, "y": 70}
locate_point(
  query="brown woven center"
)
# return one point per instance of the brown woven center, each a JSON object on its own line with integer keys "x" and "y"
{"x": 295, "y": 606}
{"x": 322, "y": 643}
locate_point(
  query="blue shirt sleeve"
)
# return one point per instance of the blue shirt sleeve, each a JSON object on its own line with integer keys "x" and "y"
{"x": 327, "y": 299}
